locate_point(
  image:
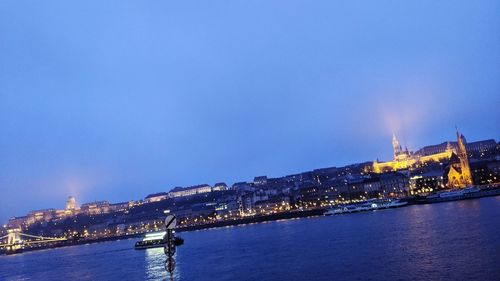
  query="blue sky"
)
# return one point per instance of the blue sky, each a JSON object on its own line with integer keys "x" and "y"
{"x": 113, "y": 100}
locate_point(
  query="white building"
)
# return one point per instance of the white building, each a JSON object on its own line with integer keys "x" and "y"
{"x": 189, "y": 191}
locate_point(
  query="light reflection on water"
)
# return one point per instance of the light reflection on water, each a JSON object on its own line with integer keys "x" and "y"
{"x": 155, "y": 265}
{"x": 449, "y": 241}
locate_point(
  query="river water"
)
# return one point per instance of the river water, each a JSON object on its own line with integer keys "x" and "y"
{"x": 447, "y": 241}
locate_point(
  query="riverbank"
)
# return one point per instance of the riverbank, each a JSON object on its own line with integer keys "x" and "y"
{"x": 242, "y": 221}
{"x": 485, "y": 192}
{"x": 385, "y": 245}
{"x": 255, "y": 219}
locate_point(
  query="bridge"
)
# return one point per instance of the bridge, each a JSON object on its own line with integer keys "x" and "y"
{"x": 16, "y": 241}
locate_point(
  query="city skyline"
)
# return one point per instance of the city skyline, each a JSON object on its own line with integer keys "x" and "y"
{"x": 140, "y": 100}
{"x": 71, "y": 201}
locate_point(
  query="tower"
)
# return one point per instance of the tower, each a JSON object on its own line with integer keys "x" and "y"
{"x": 13, "y": 236}
{"x": 396, "y": 146}
{"x": 71, "y": 204}
{"x": 464, "y": 159}
{"x": 459, "y": 175}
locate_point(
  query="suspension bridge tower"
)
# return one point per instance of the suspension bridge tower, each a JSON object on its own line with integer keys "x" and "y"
{"x": 13, "y": 236}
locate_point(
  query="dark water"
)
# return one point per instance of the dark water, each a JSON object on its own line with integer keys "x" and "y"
{"x": 447, "y": 241}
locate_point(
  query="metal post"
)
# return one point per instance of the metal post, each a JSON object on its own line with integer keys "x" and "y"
{"x": 169, "y": 239}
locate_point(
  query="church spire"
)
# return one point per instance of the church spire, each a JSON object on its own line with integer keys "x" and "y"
{"x": 460, "y": 175}
{"x": 396, "y": 146}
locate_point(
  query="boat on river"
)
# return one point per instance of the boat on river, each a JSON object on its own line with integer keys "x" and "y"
{"x": 156, "y": 240}
{"x": 151, "y": 240}
{"x": 370, "y": 205}
{"x": 454, "y": 194}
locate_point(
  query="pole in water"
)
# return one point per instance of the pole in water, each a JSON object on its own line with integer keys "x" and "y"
{"x": 169, "y": 239}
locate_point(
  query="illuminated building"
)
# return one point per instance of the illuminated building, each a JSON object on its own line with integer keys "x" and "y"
{"x": 272, "y": 206}
{"x": 485, "y": 172}
{"x": 394, "y": 184}
{"x": 94, "y": 208}
{"x": 478, "y": 149}
{"x": 403, "y": 159}
{"x": 41, "y": 215}
{"x": 123, "y": 206}
{"x": 226, "y": 208}
{"x": 247, "y": 203}
{"x": 372, "y": 187}
{"x": 459, "y": 175}
{"x": 71, "y": 204}
{"x": 399, "y": 153}
{"x": 156, "y": 197}
{"x": 188, "y": 191}
{"x": 426, "y": 183}
{"x": 220, "y": 186}
{"x": 18, "y": 222}
{"x": 59, "y": 214}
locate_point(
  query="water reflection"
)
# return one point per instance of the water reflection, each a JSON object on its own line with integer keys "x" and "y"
{"x": 155, "y": 265}
{"x": 445, "y": 237}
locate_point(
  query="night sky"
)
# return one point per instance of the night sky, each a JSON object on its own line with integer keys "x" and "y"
{"x": 113, "y": 100}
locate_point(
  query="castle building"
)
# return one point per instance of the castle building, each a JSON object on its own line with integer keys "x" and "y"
{"x": 404, "y": 159}
{"x": 479, "y": 149}
{"x": 399, "y": 153}
{"x": 71, "y": 208}
{"x": 459, "y": 174}
{"x": 188, "y": 191}
{"x": 71, "y": 204}
{"x": 95, "y": 208}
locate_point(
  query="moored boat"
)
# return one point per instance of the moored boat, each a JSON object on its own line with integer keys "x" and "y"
{"x": 151, "y": 240}
{"x": 155, "y": 240}
{"x": 370, "y": 205}
{"x": 449, "y": 195}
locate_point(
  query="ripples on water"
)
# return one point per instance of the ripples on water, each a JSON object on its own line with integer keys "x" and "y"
{"x": 448, "y": 241}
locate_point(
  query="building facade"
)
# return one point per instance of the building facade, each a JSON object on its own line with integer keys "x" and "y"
{"x": 406, "y": 160}
{"x": 188, "y": 191}
{"x": 459, "y": 174}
